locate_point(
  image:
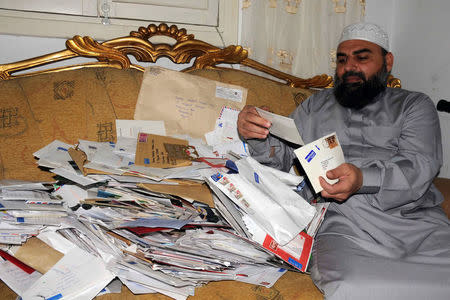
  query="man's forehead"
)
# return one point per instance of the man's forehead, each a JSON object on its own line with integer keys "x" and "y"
{"x": 351, "y": 46}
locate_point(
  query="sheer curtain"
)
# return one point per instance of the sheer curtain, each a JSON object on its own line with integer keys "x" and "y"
{"x": 298, "y": 37}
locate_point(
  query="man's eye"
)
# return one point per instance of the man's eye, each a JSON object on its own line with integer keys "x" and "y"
{"x": 363, "y": 57}
{"x": 341, "y": 60}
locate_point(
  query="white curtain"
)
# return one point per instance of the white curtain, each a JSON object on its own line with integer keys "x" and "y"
{"x": 298, "y": 37}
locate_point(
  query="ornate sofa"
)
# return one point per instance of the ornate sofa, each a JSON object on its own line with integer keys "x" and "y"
{"x": 82, "y": 101}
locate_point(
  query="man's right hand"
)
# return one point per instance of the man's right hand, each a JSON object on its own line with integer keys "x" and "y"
{"x": 251, "y": 125}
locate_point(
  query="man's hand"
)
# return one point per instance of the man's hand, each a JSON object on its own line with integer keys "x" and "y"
{"x": 350, "y": 181}
{"x": 251, "y": 125}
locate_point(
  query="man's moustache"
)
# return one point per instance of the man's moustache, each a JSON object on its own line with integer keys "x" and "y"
{"x": 346, "y": 75}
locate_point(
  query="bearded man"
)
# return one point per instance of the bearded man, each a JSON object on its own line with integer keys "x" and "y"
{"x": 385, "y": 235}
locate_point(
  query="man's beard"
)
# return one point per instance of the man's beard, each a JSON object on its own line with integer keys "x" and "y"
{"x": 357, "y": 95}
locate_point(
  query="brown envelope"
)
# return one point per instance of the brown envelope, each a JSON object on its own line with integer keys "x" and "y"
{"x": 151, "y": 152}
{"x": 38, "y": 255}
{"x": 187, "y": 104}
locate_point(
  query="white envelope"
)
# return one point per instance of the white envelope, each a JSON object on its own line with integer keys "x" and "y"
{"x": 320, "y": 156}
{"x": 272, "y": 204}
{"x": 282, "y": 127}
{"x": 78, "y": 275}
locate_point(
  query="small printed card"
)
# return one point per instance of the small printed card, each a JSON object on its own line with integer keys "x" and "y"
{"x": 320, "y": 156}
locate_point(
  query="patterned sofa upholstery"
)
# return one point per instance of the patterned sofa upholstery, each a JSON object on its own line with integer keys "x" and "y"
{"x": 83, "y": 102}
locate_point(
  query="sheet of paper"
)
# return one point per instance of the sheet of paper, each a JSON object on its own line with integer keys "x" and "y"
{"x": 189, "y": 172}
{"x": 137, "y": 288}
{"x": 131, "y": 128}
{"x": 13, "y": 240}
{"x": 188, "y": 104}
{"x": 131, "y": 179}
{"x": 156, "y": 222}
{"x": 71, "y": 194}
{"x": 226, "y": 125}
{"x": 126, "y": 146}
{"x": 37, "y": 214}
{"x": 101, "y": 153}
{"x": 159, "y": 286}
{"x": 320, "y": 156}
{"x": 16, "y": 278}
{"x": 17, "y": 204}
{"x": 261, "y": 275}
{"x": 228, "y": 209}
{"x": 136, "y": 265}
{"x": 321, "y": 209}
{"x": 282, "y": 127}
{"x": 92, "y": 167}
{"x": 16, "y": 184}
{"x": 25, "y": 195}
{"x": 108, "y": 158}
{"x": 115, "y": 287}
{"x": 153, "y": 173}
{"x": 225, "y": 136}
{"x": 78, "y": 271}
{"x": 74, "y": 176}
{"x": 54, "y": 147}
{"x": 54, "y": 155}
{"x": 56, "y": 241}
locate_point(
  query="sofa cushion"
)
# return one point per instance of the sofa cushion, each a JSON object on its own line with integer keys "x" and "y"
{"x": 66, "y": 105}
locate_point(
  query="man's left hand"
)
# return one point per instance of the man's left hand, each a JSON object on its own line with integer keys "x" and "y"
{"x": 350, "y": 181}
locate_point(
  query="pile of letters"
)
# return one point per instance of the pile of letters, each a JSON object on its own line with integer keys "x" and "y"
{"x": 165, "y": 230}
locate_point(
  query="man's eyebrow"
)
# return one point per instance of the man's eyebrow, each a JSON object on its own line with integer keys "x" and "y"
{"x": 354, "y": 52}
{"x": 362, "y": 51}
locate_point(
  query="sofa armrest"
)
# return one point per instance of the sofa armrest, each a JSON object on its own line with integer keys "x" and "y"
{"x": 443, "y": 185}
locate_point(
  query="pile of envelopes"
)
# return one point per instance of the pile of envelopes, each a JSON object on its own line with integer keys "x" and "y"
{"x": 165, "y": 230}
{"x": 159, "y": 214}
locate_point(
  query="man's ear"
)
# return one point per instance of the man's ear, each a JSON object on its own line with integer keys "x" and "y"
{"x": 389, "y": 61}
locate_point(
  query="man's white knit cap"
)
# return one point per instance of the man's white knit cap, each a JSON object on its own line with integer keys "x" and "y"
{"x": 367, "y": 32}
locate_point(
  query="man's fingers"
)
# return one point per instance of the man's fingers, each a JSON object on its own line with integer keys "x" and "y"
{"x": 325, "y": 185}
{"x": 256, "y": 119}
{"x": 335, "y": 173}
{"x": 350, "y": 181}
{"x": 338, "y": 191}
{"x": 266, "y": 108}
{"x": 251, "y": 125}
{"x": 331, "y": 175}
{"x": 253, "y": 132}
{"x": 337, "y": 188}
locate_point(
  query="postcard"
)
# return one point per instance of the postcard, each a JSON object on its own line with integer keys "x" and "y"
{"x": 320, "y": 156}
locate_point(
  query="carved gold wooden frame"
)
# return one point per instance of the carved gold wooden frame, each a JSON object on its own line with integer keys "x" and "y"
{"x": 114, "y": 53}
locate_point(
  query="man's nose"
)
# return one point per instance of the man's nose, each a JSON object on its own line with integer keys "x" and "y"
{"x": 350, "y": 65}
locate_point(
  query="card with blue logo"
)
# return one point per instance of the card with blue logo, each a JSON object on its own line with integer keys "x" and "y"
{"x": 320, "y": 156}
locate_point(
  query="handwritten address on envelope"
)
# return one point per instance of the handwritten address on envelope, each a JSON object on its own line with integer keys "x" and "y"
{"x": 187, "y": 104}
